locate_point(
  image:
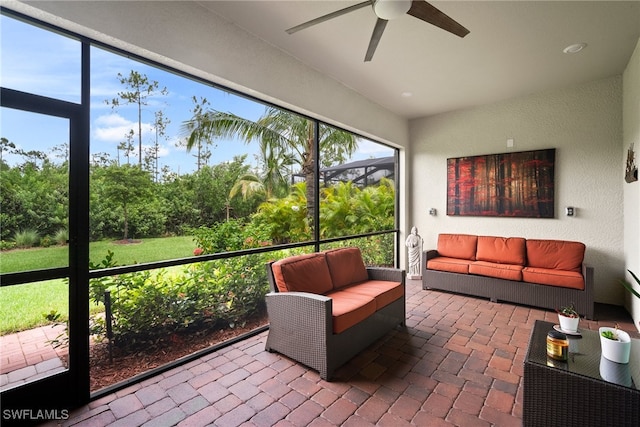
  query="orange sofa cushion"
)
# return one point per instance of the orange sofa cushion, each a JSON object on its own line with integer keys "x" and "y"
{"x": 555, "y": 254}
{"x": 553, "y": 277}
{"x": 452, "y": 265}
{"x": 346, "y": 266}
{"x": 462, "y": 246}
{"x": 384, "y": 292}
{"x": 303, "y": 273}
{"x": 349, "y": 309}
{"x": 493, "y": 269}
{"x": 503, "y": 250}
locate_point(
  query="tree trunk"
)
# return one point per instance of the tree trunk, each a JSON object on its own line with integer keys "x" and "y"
{"x": 126, "y": 222}
{"x": 309, "y": 175}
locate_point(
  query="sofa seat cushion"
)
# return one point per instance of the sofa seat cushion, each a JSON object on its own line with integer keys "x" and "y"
{"x": 553, "y": 277}
{"x": 502, "y": 250}
{"x": 462, "y": 246}
{"x": 452, "y": 265}
{"x": 493, "y": 269}
{"x": 303, "y": 273}
{"x": 346, "y": 266}
{"x": 384, "y": 292}
{"x": 349, "y": 309}
{"x": 555, "y": 254}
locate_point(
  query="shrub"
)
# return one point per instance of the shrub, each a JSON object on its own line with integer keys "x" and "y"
{"x": 284, "y": 220}
{"x": 46, "y": 241}
{"x": 61, "y": 237}
{"x": 150, "y": 306}
{"x": 6, "y": 245}
{"x": 26, "y": 238}
{"x": 222, "y": 237}
{"x": 376, "y": 250}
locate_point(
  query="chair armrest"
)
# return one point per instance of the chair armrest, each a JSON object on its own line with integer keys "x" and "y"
{"x": 386, "y": 273}
{"x": 300, "y": 310}
{"x": 430, "y": 254}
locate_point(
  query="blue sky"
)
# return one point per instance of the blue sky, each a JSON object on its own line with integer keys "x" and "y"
{"x": 38, "y": 61}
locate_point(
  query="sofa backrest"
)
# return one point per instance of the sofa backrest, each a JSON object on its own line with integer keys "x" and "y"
{"x": 503, "y": 250}
{"x": 461, "y": 246}
{"x": 346, "y": 266}
{"x": 555, "y": 254}
{"x": 303, "y": 273}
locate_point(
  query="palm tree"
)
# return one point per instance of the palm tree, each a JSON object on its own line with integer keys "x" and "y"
{"x": 285, "y": 139}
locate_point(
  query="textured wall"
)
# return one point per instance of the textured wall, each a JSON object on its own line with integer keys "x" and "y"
{"x": 583, "y": 123}
{"x": 631, "y": 134}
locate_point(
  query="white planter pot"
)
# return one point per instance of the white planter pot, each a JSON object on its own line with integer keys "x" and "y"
{"x": 568, "y": 324}
{"x": 616, "y": 351}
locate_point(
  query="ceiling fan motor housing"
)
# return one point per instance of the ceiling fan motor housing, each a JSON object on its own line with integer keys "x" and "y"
{"x": 391, "y": 9}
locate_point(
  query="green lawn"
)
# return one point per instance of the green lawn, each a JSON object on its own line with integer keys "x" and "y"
{"x": 148, "y": 250}
{"x": 23, "y": 306}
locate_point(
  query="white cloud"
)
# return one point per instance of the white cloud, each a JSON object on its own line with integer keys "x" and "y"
{"x": 112, "y": 120}
{"x": 114, "y": 128}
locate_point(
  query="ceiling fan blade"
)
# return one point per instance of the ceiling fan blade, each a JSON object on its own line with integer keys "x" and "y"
{"x": 375, "y": 38}
{"x": 329, "y": 16}
{"x": 422, "y": 10}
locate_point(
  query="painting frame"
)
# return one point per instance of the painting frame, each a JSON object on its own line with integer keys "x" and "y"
{"x": 516, "y": 184}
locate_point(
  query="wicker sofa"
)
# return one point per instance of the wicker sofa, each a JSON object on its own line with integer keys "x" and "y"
{"x": 540, "y": 273}
{"x": 326, "y": 307}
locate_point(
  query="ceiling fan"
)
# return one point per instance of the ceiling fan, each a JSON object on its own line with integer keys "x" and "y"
{"x": 387, "y": 10}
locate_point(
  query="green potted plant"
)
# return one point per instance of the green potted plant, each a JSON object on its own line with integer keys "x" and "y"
{"x": 568, "y": 318}
{"x": 615, "y": 344}
{"x": 628, "y": 285}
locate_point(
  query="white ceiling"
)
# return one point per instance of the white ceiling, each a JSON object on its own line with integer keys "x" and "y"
{"x": 514, "y": 48}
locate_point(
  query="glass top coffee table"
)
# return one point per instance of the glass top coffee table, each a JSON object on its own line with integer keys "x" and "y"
{"x": 586, "y": 390}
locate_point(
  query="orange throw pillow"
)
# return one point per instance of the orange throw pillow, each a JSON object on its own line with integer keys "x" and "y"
{"x": 503, "y": 250}
{"x": 555, "y": 254}
{"x": 461, "y": 246}
{"x": 303, "y": 273}
{"x": 346, "y": 266}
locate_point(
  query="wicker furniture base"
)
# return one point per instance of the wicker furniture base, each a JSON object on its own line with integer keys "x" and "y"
{"x": 574, "y": 393}
{"x": 532, "y": 294}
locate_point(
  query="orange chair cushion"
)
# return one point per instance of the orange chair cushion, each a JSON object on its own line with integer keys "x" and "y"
{"x": 500, "y": 271}
{"x": 555, "y": 254}
{"x": 384, "y": 292}
{"x": 346, "y": 266}
{"x": 303, "y": 273}
{"x": 452, "y": 265}
{"x": 502, "y": 250}
{"x": 349, "y": 309}
{"x": 462, "y": 246}
{"x": 553, "y": 277}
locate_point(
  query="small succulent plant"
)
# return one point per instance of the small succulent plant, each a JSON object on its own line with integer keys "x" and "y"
{"x": 568, "y": 311}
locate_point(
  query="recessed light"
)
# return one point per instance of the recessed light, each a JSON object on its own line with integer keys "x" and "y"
{"x": 407, "y": 94}
{"x": 574, "y": 48}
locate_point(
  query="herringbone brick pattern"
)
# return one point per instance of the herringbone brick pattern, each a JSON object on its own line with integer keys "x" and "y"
{"x": 458, "y": 362}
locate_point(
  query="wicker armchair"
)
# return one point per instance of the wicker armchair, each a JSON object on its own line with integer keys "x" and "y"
{"x": 301, "y": 324}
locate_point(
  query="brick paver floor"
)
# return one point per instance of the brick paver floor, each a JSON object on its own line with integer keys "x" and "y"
{"x": 29, "y": 355}
{"x": 458, "y": 362}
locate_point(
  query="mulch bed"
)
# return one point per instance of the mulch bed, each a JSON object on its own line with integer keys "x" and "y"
{"x": 126, "y": 365}
{"x": 127, "y": 242}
